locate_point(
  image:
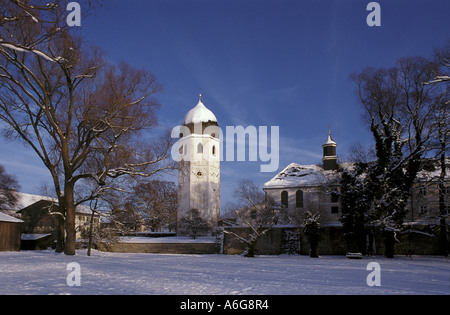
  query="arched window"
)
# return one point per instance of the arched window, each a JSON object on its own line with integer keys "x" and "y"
{"x": 214, "y": 150}
{"x": 181, "y": 149}
{"x": 299, "y": 199}
{"x": 285, "y": 199}
{"x": 200, "y": 148}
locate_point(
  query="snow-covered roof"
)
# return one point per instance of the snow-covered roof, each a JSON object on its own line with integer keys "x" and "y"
{"x": 296, "y": 175}
{"x": 24, "y": 200}
{"x": 199, "y": 114}
{"x": 7, "y": 218}
{"x": 329, "y": 140}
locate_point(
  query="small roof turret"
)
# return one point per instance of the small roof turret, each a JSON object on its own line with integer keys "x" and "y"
{"x": 330, "y": 140}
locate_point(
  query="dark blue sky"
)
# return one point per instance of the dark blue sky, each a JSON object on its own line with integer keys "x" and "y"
{"x": 269, "y": 63}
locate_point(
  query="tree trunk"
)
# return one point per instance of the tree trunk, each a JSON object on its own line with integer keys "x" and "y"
{"x": 59, "y": 234}
{"x": 69, "y": 248}
{"x": 90, "y": 233}
{"x": 389, "y": 242}
{"x": 251, "y": 248}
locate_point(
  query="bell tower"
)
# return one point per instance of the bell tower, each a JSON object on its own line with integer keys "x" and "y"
{"x": 199, "y": 168}
{"x": 329, "y": 154}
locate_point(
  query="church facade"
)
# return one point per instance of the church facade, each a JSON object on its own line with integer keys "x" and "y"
{"x": 199, "y": 168}
{"x": 300, "y": 188}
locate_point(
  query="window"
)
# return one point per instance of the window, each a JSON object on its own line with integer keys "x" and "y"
{"x": 334, "y": 197}
{"x": 214, "y": 150}
{"x": 284, "y": 199}
{"x": 200, "y": 148}
{"x": 334, "y": 209}
{"x": 423, "y": 191}
{"x": 423, "y": 209}
{"x": 299, "y": 199}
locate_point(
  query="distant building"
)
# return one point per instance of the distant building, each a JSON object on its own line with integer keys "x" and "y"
{"x": 42, "y": 217}
{"x": 10, "y": 231}
{"x": 314, "y": 187}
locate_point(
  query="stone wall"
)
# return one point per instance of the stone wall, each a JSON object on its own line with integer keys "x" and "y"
{"x": 291, "y": 240}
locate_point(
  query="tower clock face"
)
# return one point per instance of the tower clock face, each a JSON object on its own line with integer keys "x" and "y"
{"x": 199, "y": 173}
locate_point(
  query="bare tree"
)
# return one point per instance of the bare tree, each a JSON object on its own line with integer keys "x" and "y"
{"x": 82, "y": 116}
{"x": 8, "y": 186}
{"x": 195, "y": 223}
{"x": 156, "y": 200}
{"x": 254, "y": 212}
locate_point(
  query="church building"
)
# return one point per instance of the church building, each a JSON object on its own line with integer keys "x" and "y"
{"x": 199, "y": 168}
{"x": 300, "y": 188}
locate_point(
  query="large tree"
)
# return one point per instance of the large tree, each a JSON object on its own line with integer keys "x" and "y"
{"x": 441, "y": 136}
{"x": 398, "y": 109}
{"x": 81, "y": 115}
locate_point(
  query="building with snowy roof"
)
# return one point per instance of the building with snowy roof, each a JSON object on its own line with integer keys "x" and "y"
{"x": 39, "y": 216}
{"x": 10, "y": 231}
{"x": 301, "y": 188}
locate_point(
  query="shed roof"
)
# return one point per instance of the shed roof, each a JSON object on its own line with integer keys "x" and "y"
{"x": 7, "y": 218}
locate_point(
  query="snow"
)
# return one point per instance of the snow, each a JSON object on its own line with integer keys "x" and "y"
{"x": 166, "y": 240}
{"x": 295, "y": 175}
{"x": 7, "y": 218}
{"x": 32, "y": 237}
{"x": 24, "y": 200}
{"x": 329, "y": 139}
{"x": 45, "y": 272}
{"x": 199, "y": 114}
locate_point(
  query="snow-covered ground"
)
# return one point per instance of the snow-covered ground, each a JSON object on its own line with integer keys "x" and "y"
{"x": 45, "y": 272}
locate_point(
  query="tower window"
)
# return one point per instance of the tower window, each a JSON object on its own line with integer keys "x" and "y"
{"x": 214, "y": 150}
{"x": 299, "y": 199}
{"x": 200, "y": 148}
{"x": 284, "y": 199}
{"x": 334, "y": 209}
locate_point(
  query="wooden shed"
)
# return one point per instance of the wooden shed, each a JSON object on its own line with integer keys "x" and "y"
{"x": 10, "y": 232}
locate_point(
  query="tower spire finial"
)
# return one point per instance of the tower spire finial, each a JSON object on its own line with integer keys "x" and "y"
{"x": 200, "y": 97}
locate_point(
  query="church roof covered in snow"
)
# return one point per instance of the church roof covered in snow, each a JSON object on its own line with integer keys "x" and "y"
{"x": 296, "y": 175}
{"x": 199, "y": 114}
